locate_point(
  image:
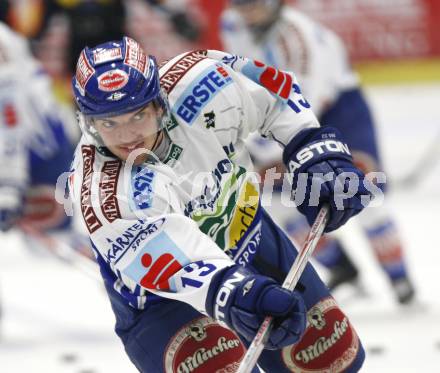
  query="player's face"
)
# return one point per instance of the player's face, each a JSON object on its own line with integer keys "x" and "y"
{"x": 126, "y": 133}
{"x": 254, "y": 14}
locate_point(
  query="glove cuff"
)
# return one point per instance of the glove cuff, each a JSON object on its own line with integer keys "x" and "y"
{"x": 314, "y": 145}
{"x": 235, "y": 286}
{"x": 222, "y": 291}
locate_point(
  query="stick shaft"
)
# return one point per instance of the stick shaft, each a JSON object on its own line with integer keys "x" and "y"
{"x": 424, "y": 165}
{"x": 256, "y": 348}
{"x": 63, "y": 252}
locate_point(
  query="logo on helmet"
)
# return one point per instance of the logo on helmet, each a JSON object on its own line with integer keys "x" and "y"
{"x": 102, "y": 55}
{"x": 134, "y": 56}
{"x": 116, "y": 96}
{"x": 112, "y": 80}
{"x": 84, "y": 72}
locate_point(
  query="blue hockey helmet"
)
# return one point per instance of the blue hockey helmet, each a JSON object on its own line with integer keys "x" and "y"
{"x": 115, "y": 78}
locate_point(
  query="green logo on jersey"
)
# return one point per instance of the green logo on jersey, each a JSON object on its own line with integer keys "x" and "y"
{"x": 173, "y": 154}
{"x": 172, "y": 123}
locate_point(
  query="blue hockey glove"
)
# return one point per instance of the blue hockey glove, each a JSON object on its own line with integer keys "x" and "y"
{"x": 319, "y": 157}
{"x": 241, "y": 300}
{"x": 11, "y": 207}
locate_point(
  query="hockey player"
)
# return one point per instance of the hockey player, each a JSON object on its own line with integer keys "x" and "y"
{"x": 34, "y": 145}
{"x": 95, "y": 21}
{"x": 191, "y": 261}
{"x": 279, "y": 35}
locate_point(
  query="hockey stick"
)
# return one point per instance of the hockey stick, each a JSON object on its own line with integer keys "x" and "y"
{"x": 63, "y": 252}
{"x": 425, "y": 163}
{"x": 256, "y": 348}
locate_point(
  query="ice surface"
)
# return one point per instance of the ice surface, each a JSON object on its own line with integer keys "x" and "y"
{"x": 57, "y": 320}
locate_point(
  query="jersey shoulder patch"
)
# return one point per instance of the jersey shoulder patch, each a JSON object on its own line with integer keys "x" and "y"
{"x": 174, "y": 70}
{"x": 204, "y": 86}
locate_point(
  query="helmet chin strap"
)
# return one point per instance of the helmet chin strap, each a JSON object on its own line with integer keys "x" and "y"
{"x": 161, "y": 142}
{"x": 156, "y": 143}
{"x": 161, "y": 124}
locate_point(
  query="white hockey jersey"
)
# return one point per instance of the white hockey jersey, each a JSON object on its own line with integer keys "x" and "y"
{"x": 165, "y": 228}
{"x": 296, "y": 43}
{"x": 29, "y": 116}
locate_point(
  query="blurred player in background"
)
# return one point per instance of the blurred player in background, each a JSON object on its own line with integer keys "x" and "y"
{"x": 279, "y": 35}
{"x": 90, "y": 22}
{"x": 59, "y": 30}
{"x": 4, "y": 10}
{"x": 160, "y": 178}
{"x": 35, "y": 147}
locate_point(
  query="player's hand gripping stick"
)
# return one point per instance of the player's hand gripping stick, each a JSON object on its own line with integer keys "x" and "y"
{"x": 257, "y": 345}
